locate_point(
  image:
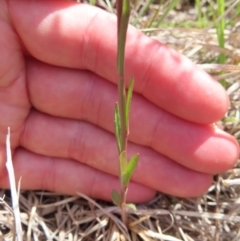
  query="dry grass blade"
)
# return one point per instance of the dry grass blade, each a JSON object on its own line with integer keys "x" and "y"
{"x": 14, "y": 195}
{"x": 117, "y": 221}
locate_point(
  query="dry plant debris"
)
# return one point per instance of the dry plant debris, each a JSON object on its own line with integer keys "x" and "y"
{"x": 214, "y": 216}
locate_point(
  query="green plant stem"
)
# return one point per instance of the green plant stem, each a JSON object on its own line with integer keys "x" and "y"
{"x": 121, "y": 113}
{"x": 220, "y": 30}
{"x": 123, "y": 206}
{"x": 123, "y": 11}
{"x": 123, "y": 14}
{"x": 199, "y": 12}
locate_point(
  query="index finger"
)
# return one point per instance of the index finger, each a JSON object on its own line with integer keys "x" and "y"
{"x": 84, "y": 37}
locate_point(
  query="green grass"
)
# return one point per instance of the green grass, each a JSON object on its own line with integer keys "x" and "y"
{"x": 157, "y": 16}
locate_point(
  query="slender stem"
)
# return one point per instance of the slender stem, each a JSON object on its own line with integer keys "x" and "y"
{"x": 124, "y": 139}
{"x": 123, "y": 14}
{"x": 123, "y": 205}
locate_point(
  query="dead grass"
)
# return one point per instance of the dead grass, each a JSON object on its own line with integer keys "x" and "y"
{"x": 214, "y": 216}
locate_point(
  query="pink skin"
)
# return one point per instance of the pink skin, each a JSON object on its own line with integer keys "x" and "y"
{"x": 58, "y": 90}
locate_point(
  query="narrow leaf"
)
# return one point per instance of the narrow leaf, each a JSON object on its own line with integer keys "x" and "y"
{"x": 117, "y": 125}
{"x": 171, "y": 6}
{"x": 129, "y": 98}
{"x": 131, "y": 165}
{"x": 116, "y": 197}
{"x": 123, "y": 164}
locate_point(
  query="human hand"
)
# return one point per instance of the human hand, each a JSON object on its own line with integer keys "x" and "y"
{"x": 58, "y": 91}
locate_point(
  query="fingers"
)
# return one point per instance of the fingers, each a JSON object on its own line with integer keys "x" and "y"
{"x": 11, "y": 64}
{"x": 68, "y": 177}
{"x": 76, "y": 36}
{"x": 14, "y": 104}
{"x": 96, "y": 148}
{"x": 82, "y": 95}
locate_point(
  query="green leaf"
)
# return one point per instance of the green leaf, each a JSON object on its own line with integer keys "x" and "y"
{"x": 129, "y": 98}
{"x": 123, "y": 164}
{"x": 117, "y": 125}
{"x": 131, "y": 206}
{"x": 171, "y": 6}
{"x": 116, "y": 197}
{"x": 131, "y": 165}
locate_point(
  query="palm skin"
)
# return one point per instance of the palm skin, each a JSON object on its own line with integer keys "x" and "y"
{"x": 58, "y": 88}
